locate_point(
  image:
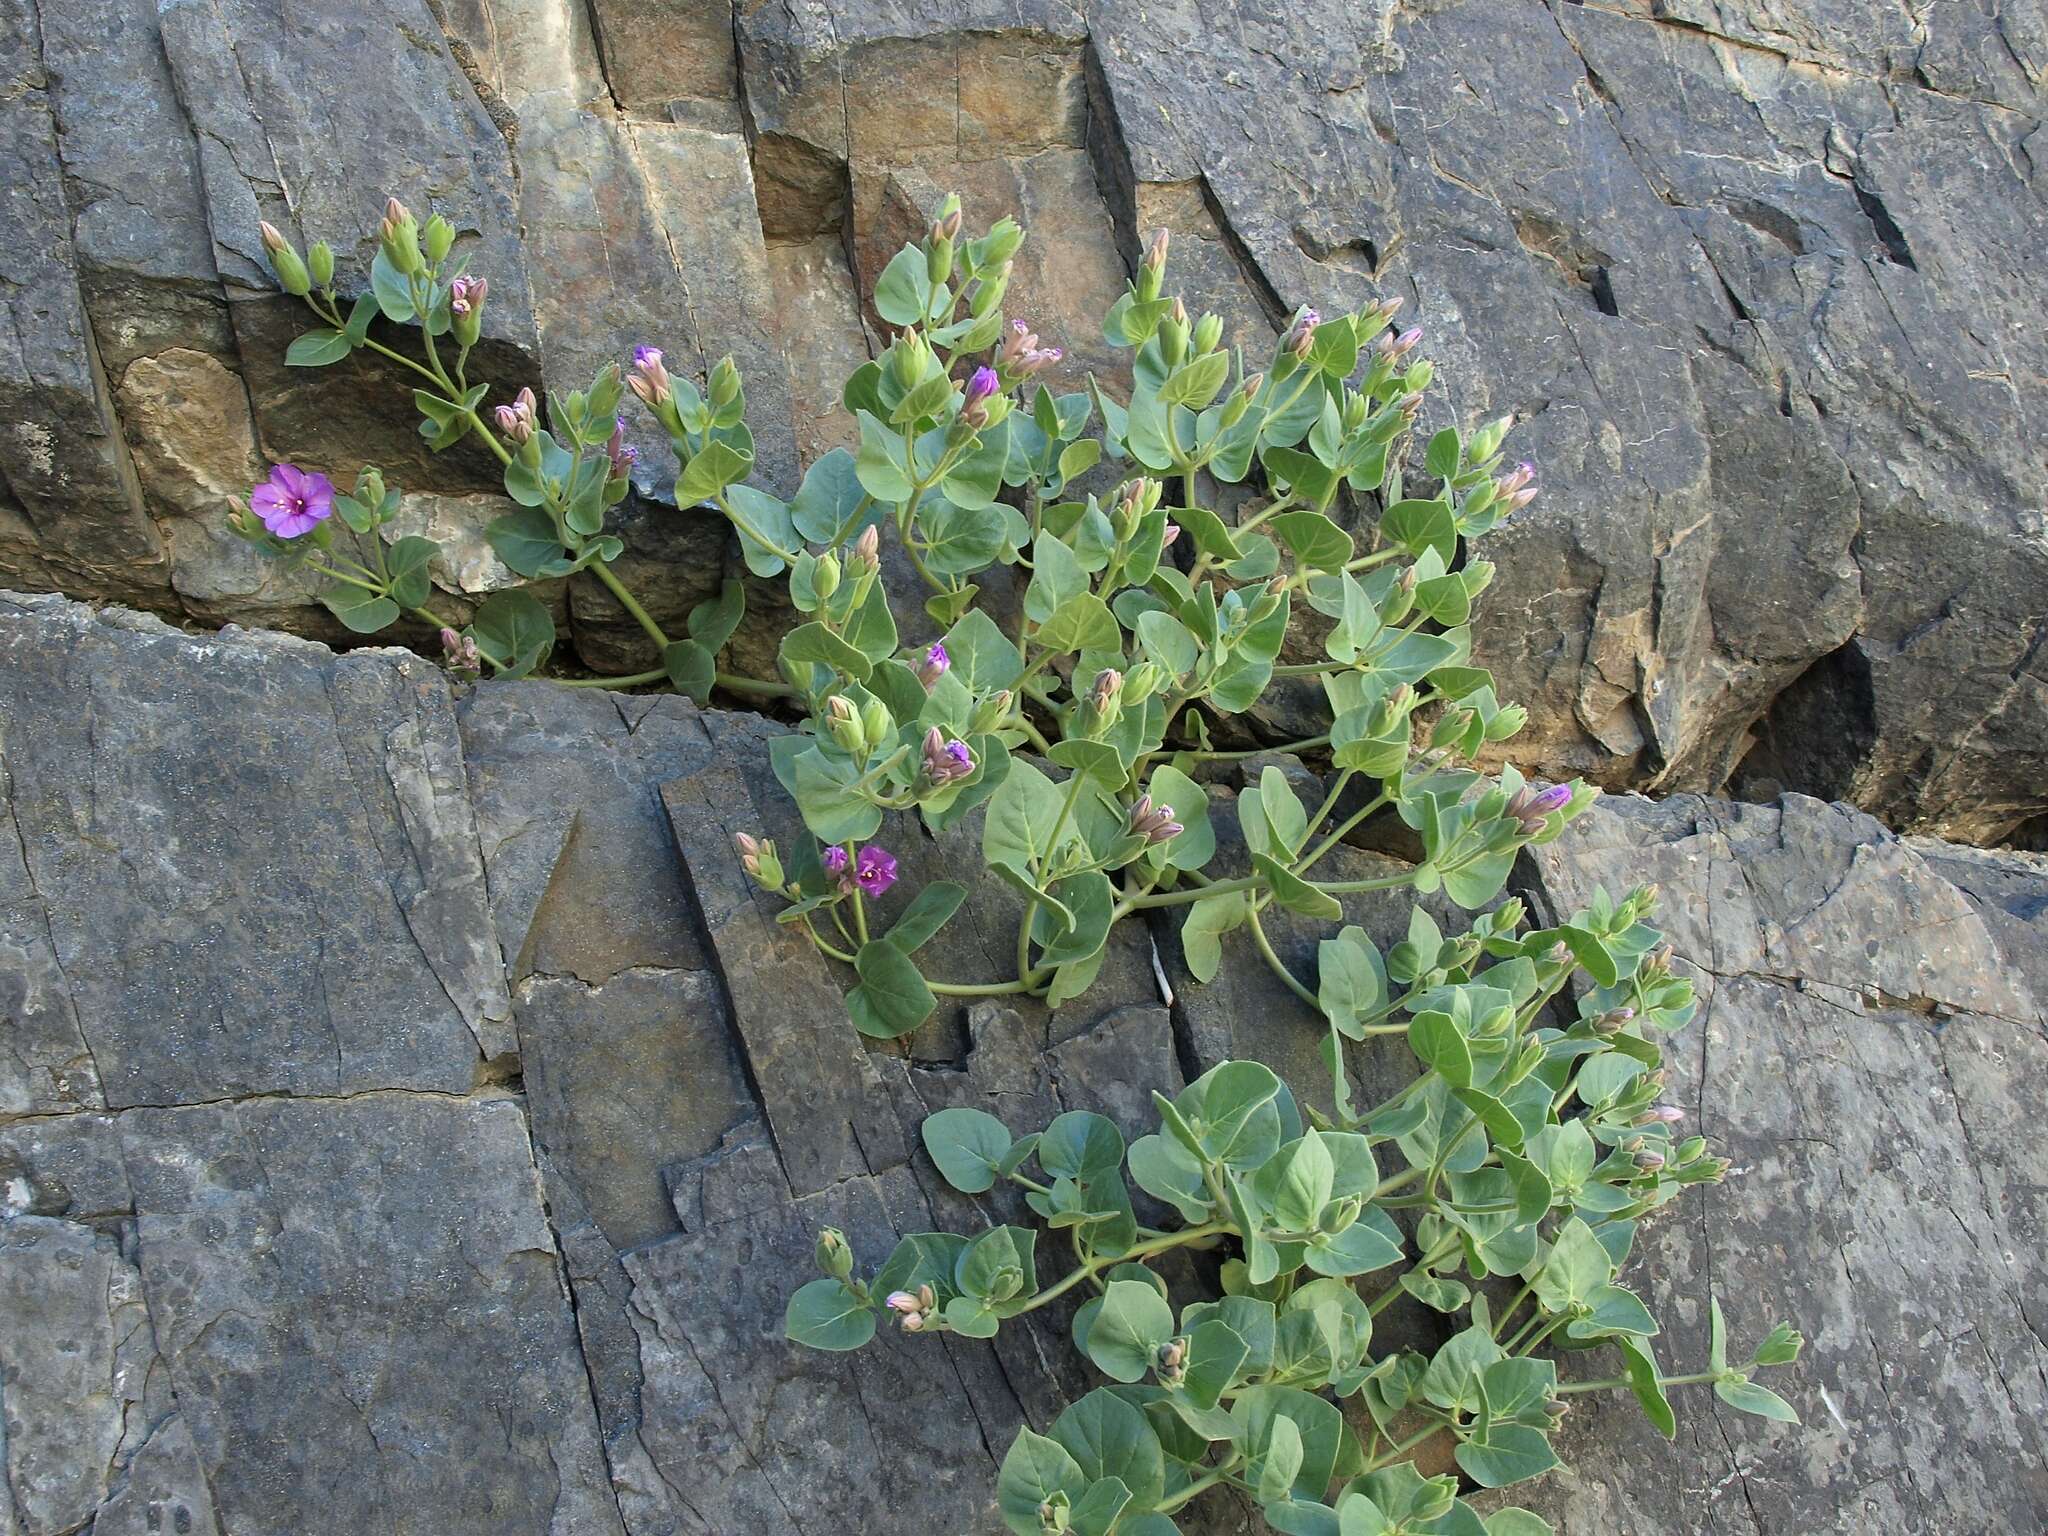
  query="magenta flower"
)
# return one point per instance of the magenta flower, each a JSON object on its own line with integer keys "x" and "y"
{"x": 834, "y": 860}
{"x": 466, "y": 293}
{"x": 934, "y": 666}
{"x": 874, "y": 871}
{"x": 293, "y": 500}
{"x": 643, "y": 356}
{"x": 982, "y": 385}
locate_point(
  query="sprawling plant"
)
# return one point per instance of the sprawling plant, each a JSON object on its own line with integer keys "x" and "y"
{"x": 1501, "y": 1187}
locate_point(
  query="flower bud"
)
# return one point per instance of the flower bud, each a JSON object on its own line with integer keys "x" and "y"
{"x": 903, "y": 1302}
{"x": 935, "y": 665}
{"x": 517, "y": 422}
{"x": 1301, "y": 335}
{"x": 1486, "y": 441}
{"x": 440, "y": 239}
{"x": 466, "y": 308}
{"x": 320, "y": 263}
{"x": 992, "y": 711}
{"x": 913, "y": 1322}
{"x": 909, "y": 358}
{"x": 1507, "y": 723}
{"x": 867, "y": 549}
{"x": 1613, "y": 1022}
{"x": 1152, "y": 267}
{"x": 834, "y": 1257}
{"x": 1661, "y": 1114}
{"x": 877, "y": 725}
{"x": 982, "y": 386}
{"x": 724, "y": 384}
{"x": 1173, "y": 336}
{"x": 1208, "y": 334}
{"x": 460, "y": 655}
{"x": 399, "y": 234}
{"x": 649, "y": 378}
{"x": 1649, "y": 1162}
{"x": 286, "y": 263}
{"x": 1154, "y": 823}
{"x": 758, "y": 858}
{"x": 945, "y": 761}
{"x": 825, "y": 575}
{"x": 844, "y": 724}
{"x": 1170, "y": 533}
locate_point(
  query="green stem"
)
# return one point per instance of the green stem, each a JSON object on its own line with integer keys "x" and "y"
{"x": 659, "y": 674}
{"x": 1265, "y": 948}
{"x": 788, "y": 557}
{"x": 1128, "y": 1256}
{"x": 753, "y": 686}
{"x": 1612, "y": 1382}
{"x": 1237, "y": 755}
{"x": 1254, "y": 882}
{"x": 943, "y": 988}
{"x": 1338, "y": 834}
{"x": 1200, "y": 1485}
{"x": 1395, "y": 1291}
{"x": 628, "y": 602}
{"x": 1404, "y": 1447}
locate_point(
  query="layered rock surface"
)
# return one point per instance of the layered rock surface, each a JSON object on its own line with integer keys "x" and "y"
{"x": 1756, "y": 275}
{"x": 411, "y": 1120}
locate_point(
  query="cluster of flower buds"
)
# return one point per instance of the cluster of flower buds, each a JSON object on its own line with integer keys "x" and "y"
{"x": 622, "y": 453}
{"x": 976, "y": 402}
{"x": 758, "y": 858}
{"x": 936, "y": 664}
{"x": 460, "y": 655}
{"x": 912, "y": 1306}
{"x": 399, "y": 235}
{"x": 1534, "y": 808}
{"x": 1657, "y": 963}
{"x": 1301, "y": 335}
{"x": 1154, "y": 823}
{"x": 1393, "y": 348}
{"x": 1137, "y": 498}
{"x": 1102, "y": 706}
{"x": 1021, "y": 357}
{"x": 1517, "y": 488}
{"x": 1614, "y": 1021}
{"x": 860, "y": 730}
{"x": 466, "y": 297}
{"x": 939, "y": 243}
{"x": 1661, "y": 1114}
{"x": 518, "y": 421}
{"x": 945, "y": 761}
{"x": 1152, "y": 269}
{"x": 1170, "y": 1360}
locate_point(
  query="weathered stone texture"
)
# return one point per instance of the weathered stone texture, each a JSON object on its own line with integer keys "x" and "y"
{"x": 499, "y": 1241}
{"x": 1755, "y": 275}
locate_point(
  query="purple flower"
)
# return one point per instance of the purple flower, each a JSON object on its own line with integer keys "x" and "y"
{"x": 467, "y": 293}
{"x": 834, "y": 860}
{"x": 1302, "y": 333}
{"x": 1531, "y": 808}
{"x": 875, "y": 871}
{"x": 293, "y": 500}
{"x": 646, "y": 356}
{"x": 649, "y": 379}
{"x": 1552, "y": 799}
{"x": 982, "y": 385}
{"x": 945, "y": 761}
{"x": 934, "y": 666}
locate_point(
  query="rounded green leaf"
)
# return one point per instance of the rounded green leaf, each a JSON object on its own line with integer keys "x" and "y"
{"x": 1033, "y": 1471}
{"x": 827, "y": 1315}
{"x": 968, "y": 1147}
{"x": 1110, "y": 1437}
{"x": 1125, "y": 1337}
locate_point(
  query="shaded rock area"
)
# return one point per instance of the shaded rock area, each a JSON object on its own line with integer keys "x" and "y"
{"x": 412, "y": 1120}
{"x": 1755, "y": 275}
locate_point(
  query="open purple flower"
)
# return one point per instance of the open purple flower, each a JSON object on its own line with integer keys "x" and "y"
{"x": 293, "y": 500}
{"x": 874, "y": 871}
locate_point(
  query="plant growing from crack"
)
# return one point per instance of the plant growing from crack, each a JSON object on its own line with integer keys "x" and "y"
{"x": 1530, "y": 1144}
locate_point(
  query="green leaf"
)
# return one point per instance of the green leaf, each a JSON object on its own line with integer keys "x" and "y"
{"x": 880, "y": 466}
{"x": 711, "y": 623}
{"x": 1351, "y": 980}
{"x": 1091, "y": 901}
{"x": 1126, "y": 1335}
{"x": 1167, "y": 1171}
{"x": 407, "y": 560}
{"x": 1096, "y": 1513}
{"x": 1082, "y": 623}
{"x": 526, "y": 541}
{"x": 1293, "y": 892}
{"x": 1035, "y": 1469}
{"x": 1517, "y": 1522}
{"x": 316, "y": 349}
{"x": 1056, "y": 577}
{"x": 1315, "y": 541}
{"x": 1081, "y": 1145}
{"x": 514, "y": 631}
{"x": 768, "y": 516}
{"x": 982, "y": 656}
{"x": 827, "y": 1315}
{"x": 1437, "y": 1040}
{"x": 394, "y": 296}
{"x": 997, "y": 1266}
{"x": 363, "y": 612}
{"x": 1216, "y": 1355}
{"x": 1748, "y": 1397}
{"x": 1111, "y": 1438}
{"x": 894, "y": 988}
{"x": 359, "y": 317}
{"x": 814, "y": 643}
{"x": 827, "y": 509}
{"x": 1444, "y": 452}
{"x": 692, "y": 670}
{"x": 1201, "y": 932}
{"x": 833, "y": 812}
{"x": 903, "y": 296}
{"x": 960, "y": 540}
{"x": 927, "y": 914}
{"x": 1278, "y": 1461}
{"x": 1020, "y": 817}
{"x": 1295, "y": 1184}
{"x": 710, "y": 470}
{"x": 1644, "y": 1381}
{"x": 968, "y": 1147}
{"x": 1509, "y": 1453}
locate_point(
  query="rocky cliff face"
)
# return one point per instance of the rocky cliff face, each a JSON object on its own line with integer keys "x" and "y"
{"x": 411, "y": 1120}
{"x": 1758, "y": 276}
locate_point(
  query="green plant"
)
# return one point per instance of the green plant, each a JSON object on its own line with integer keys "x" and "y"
{"x": 1531, "y": 1142}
